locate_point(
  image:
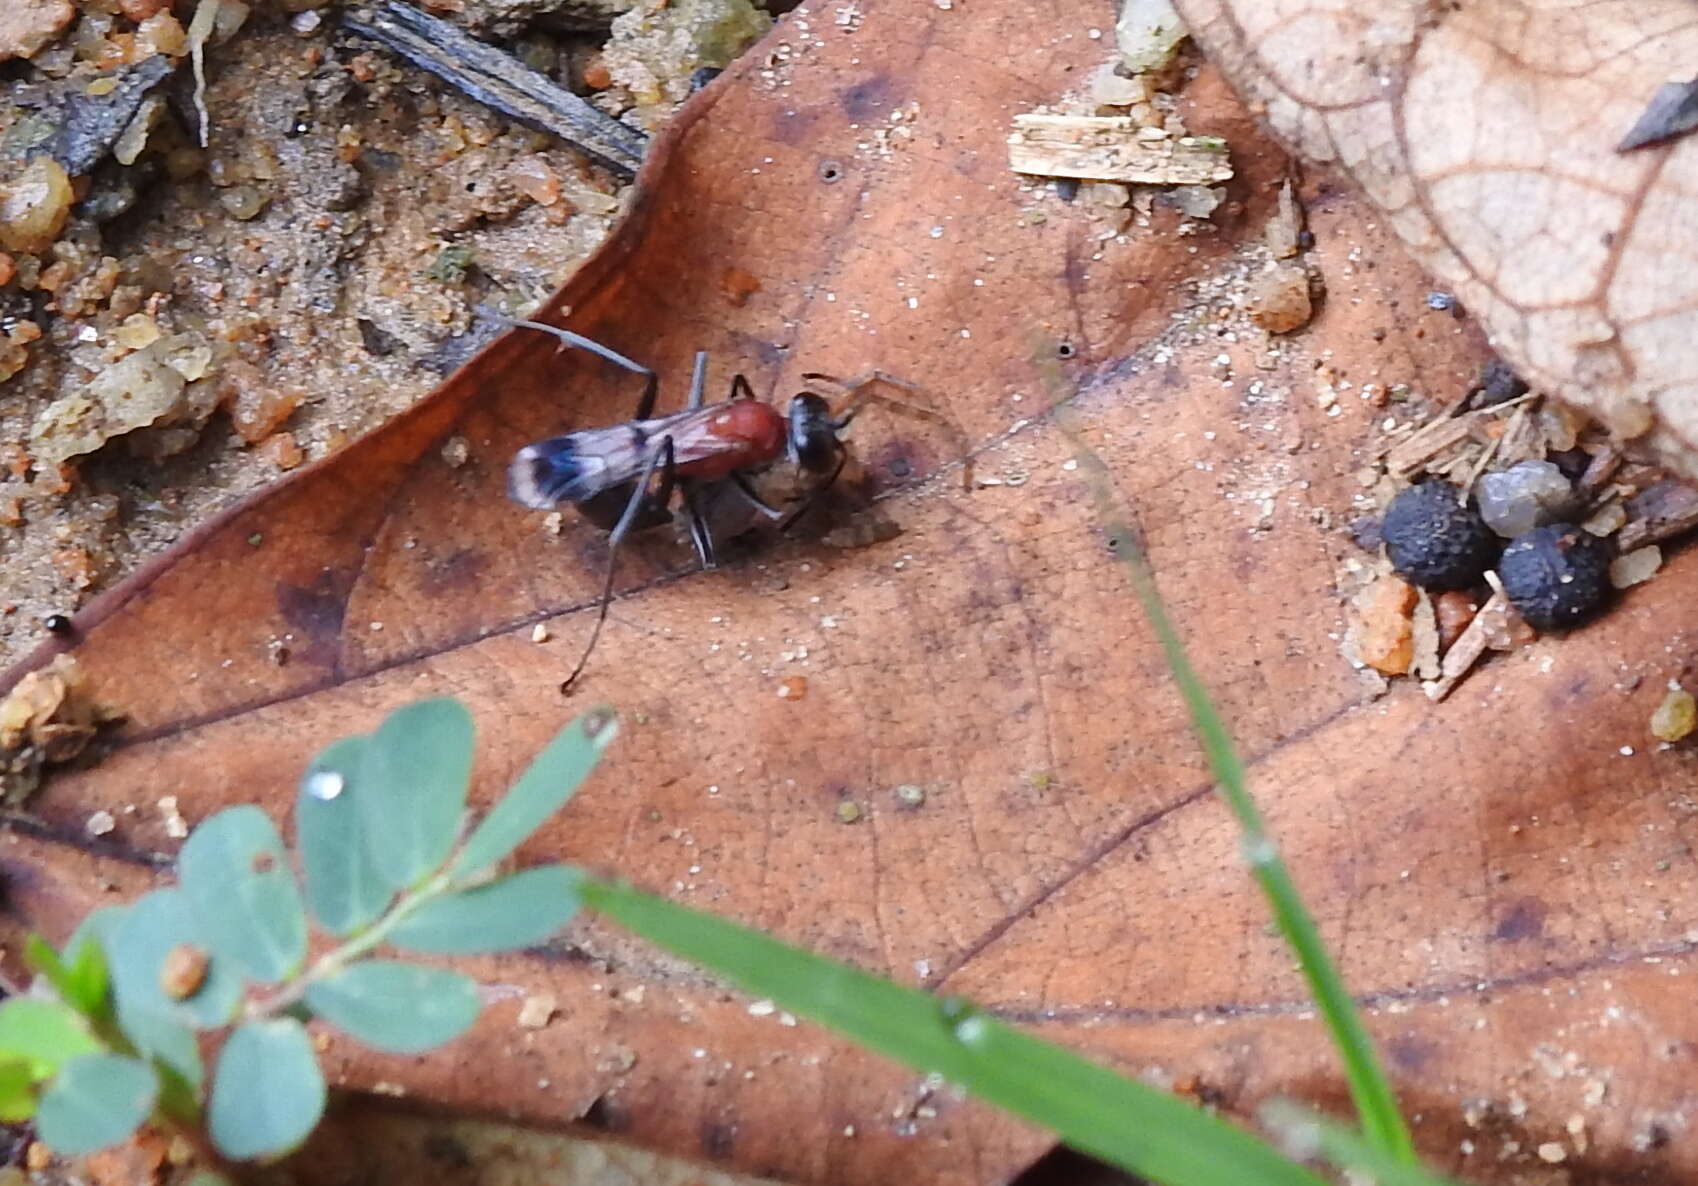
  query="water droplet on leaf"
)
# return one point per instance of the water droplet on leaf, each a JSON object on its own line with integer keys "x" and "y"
{"x": 973, "y": 1031}
{"x": 325, "y": 785}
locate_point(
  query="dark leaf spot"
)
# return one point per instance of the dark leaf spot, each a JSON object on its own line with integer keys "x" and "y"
{"x": 1524, "y": 919}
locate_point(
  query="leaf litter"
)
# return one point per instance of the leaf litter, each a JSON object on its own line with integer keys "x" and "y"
{"x": 1209, "y": 474}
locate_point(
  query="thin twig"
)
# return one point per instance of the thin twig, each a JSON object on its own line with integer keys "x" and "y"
{"x": 499, "y": 81}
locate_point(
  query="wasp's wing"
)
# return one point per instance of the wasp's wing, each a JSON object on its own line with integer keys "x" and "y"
{"x": 581, "y": 465}
{"x": 572, "y": 468}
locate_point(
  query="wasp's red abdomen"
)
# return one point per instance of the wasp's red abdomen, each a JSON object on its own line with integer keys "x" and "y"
{"x": 754, "y": 433}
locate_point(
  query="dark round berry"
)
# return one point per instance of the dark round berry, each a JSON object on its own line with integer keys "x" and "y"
{"x": 1436, "y": 540}
{"x": 1556, "y": 576}
{"x": 1498, "y": 384}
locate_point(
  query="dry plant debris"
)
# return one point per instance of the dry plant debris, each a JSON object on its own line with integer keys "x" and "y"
{"x": 1527, "y": 462}
{"x": 982, "y": 647}
{"x": 1113, "y": 148}
{"x": 49, "y": 717}
{"x": 1121, "y": 146}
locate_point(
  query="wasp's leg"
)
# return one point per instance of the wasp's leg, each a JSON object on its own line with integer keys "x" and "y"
{"x": 815, "y": 494}
{"x": 701, "y": 531}
{"x": 755, "y": 500}
{"x": 641, "y": 501}
{"x": 698, "y": 382}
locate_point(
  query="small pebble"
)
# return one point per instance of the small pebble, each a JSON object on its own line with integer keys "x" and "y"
{"x": 539, "y": 633}
{"x": 1278, "y": 300}
{"x": 36, "y": 202}
{"x": 1365, "y": 533}
{"x": 848, "y": 811}
{"x": 1524, "y": 496}
{"x": 242, "y": 202}
{"x": 1676, "y": 717}
{"x": 537, "y": 1010}
{"x": 1635, "y": 567}
{"x": 100, "y": 823}
{"x": 1382, "y": 630}
{"x": 176, "y": 826}
{"x": 1606, "y": 520}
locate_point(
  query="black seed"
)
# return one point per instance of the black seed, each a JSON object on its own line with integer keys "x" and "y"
{"x": 57, "y": 623}
{"x": 1436, "y": 541}
{"x": 1498, "y": 384}
{"x": 1556, "y": 576}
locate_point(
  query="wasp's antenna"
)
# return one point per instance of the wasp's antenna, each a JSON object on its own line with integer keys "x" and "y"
{"x": 566, "y": 336}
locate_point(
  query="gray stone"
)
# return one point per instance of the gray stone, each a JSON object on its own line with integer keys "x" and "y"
{"x": 1528, "y": 494}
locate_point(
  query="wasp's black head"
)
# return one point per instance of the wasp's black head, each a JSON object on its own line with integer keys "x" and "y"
{"x": 813, "y": 442}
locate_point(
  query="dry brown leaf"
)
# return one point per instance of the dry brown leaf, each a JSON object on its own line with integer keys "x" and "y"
{"x": 1508, "y": 891}
{"x": 1487, "y": 135}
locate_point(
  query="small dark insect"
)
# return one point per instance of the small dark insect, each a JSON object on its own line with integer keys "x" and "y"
{"x": 1437, "y": 540}
{"x": 1556, "y": 576}
{"x": 623, "y": 477}
{"x": 59, "y": 624}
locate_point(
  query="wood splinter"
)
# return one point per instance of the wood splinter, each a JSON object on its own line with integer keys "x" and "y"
{"x": 1459, "y": 660}
{"x": 1114, "y": 148}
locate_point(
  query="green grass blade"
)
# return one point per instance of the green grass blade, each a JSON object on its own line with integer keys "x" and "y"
{"x": 1370, "y": 1090}
{"x": 1311, "y": 1136}
{"x": 1091, "y": 1108}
